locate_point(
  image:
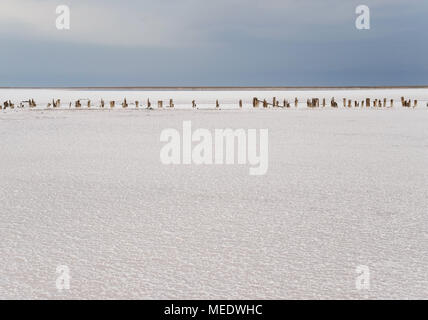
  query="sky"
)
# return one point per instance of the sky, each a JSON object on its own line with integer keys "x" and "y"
{"x": 213, "y": 43}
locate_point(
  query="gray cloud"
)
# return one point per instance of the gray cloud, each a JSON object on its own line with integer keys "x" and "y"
{"x": 235, "y": 42}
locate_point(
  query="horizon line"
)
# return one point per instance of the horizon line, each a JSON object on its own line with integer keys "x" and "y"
{"x": 194, "y": 88}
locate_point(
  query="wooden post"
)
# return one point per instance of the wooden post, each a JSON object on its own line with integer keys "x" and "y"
{"x": 102, "y": 103}
{"x": 274, "y": 102}
{"x": 160, "y": 104}
{"x": 415, "y": 103}
{"x": 149, "y": 104}
{"x": 315, "y": 102}
{"x": 217, "y": 104}
{"x": 323, "y": 102}
{"x": 392, "y": 103}
{"x": 344, "y": 102}
{"x": 296, "y": 102}
{"x": 193, "y": 104}
{"x": 255, "y": 102}
{"x": 89, "y": 103}
{"x": 137, "y": 104}
{"x": 240, "y": 103}
{"x": 124, "y": 103}
{"x": 171, "y": 103}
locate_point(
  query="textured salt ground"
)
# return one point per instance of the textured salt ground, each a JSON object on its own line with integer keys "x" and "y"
{"x": 87, "y": 190}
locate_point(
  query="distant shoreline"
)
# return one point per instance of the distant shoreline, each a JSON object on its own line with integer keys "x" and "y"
{"x": 218, "y": 88}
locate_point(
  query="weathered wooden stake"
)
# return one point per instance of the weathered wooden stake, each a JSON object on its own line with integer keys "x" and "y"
{"x": 124, "y": 103}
